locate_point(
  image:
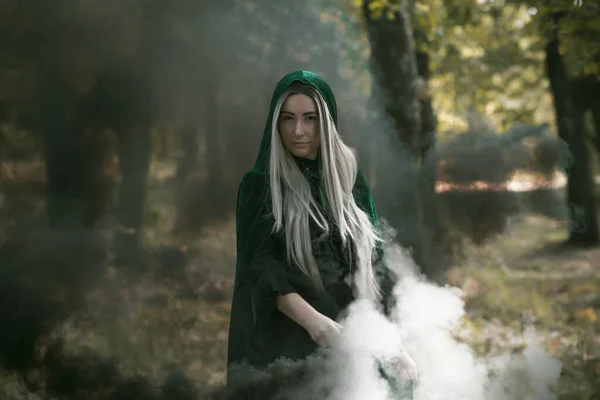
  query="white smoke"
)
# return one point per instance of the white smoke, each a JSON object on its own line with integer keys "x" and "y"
{"x": 427, "y": 324}
{"x": 427, "y": 319}
{"x": 529, "y": 376}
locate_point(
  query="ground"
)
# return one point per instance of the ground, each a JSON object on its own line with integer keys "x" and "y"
{"x": 529, "y": 276}
{"x": 525, "y": 276}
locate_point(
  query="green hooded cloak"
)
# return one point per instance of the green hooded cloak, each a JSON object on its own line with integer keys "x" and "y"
{"x": 259, "y": 333}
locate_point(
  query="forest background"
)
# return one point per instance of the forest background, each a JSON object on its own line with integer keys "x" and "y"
{"x": 125, "y": 127}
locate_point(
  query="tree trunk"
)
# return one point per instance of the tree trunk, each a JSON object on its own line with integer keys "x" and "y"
{"x": 134, "y": 163}
{"x": 594, "y": 104}
{"x": 569, "y": 118}
{"x": 191, "y": 148}
{"x": 595, "y": 109}
{"x": 395, "y": 74}
{"x": 161, "y": 140}
{"x": 61, "y": 146}
{"x": 396, "y": 90}
{"x": 587, "y": 88}
{"x": 428, "y": 117}
{"x": 96, "y": 188}
{"x": 433, "y": 230}
{"x": 211, "y": 131}
{"x": 581, "y": 185}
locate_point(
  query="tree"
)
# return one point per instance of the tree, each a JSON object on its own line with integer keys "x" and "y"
{"x": 73, "y": 183}
{"x": 570, "y": 111}
{"x": 394, "y": 69}
{"x": 405, "y": 191}
{"x": 568, "y": 34}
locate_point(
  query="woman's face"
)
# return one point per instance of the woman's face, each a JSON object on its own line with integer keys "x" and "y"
{"x": 299, "y": 126}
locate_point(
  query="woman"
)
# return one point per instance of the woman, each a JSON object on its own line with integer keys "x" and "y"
{"x": 307, "y": 231}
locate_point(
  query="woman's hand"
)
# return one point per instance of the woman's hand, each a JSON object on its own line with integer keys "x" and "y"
{"x": 405, "y": 361}
{"x": 323, "y": 329}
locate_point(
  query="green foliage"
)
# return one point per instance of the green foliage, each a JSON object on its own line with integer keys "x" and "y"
{"x": 379, "y": 8}
{"x": 495, "y": 63}
{"x": 578, "y": 30}
{"x": 489, "y": 55}
{"x": 486, "y": 55}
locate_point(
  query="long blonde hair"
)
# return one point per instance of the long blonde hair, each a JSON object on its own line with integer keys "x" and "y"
{"x": 292, "y": 211}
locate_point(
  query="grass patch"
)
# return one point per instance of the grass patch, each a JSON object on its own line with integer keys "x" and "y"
{"x": 526, "y": 276}
{"x": 494, "y": 297}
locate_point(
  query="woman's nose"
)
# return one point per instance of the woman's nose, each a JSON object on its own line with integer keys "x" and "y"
{"x": 298, "y": 131}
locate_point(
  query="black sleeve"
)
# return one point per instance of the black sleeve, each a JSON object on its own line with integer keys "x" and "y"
{"x": 269, "y": 277}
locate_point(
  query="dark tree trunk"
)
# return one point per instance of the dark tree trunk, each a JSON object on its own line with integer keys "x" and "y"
{"x": 433, "y": 230}
{"x": 96, "y": 187}
{"x": 217, "y": 186}
{"x": 139, "y": 92}
{"x": 211, "y": 131}
{"x": 570, "y": 122}
{"x": 397, "y": 90}
{"x": 62, "y": 206}
{"x": 594, "y": 104}
{"x": 595, "y": 109}
{"x": 162, "y": 149}
{"x": 132, "y": 122}
{"x": 428, "y": 117}
{"x": 587, "y": 88}
{"x": 134, "y": 163}
{"x": 581, "y": 185}
{"x": 62, "y": 155}
{"x": 191, "y": 147}
{"x": 395, "y": 74}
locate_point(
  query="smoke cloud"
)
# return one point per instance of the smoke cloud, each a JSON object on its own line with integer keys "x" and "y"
{"x": 428, "y": 325}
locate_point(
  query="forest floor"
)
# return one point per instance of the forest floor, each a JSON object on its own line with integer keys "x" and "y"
{"x": 529, "y": 275}
{"x": 153, "y": 324}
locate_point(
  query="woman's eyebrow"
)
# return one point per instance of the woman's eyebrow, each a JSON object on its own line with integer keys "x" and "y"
{"x": 291, "y": 113}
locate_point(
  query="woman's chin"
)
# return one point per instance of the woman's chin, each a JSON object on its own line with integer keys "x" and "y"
{"x": 303, "y": 153}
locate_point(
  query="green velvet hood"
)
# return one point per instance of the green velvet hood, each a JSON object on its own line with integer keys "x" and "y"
{"x": 253, "y": 221}
{"x": 310, "y": 78}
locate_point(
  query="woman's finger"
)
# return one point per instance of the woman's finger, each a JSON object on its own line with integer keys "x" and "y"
{"x": 412, "y": 374}
{"x": 321, "y": 339}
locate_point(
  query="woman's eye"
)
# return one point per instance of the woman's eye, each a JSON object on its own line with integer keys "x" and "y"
{"x": 311, "y": 118}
